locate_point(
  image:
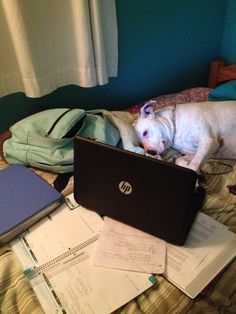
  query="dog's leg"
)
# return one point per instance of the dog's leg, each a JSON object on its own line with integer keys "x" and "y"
{"x": 183, "y": 160}
{"x": 206, "y": 148}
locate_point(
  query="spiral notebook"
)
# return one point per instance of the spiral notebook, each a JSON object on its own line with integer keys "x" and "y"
{"x": 56, "y": 257}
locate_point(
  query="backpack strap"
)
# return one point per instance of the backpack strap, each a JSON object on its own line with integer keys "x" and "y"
{"x": 62, "y": 180}
{"x": 3, "y": 137}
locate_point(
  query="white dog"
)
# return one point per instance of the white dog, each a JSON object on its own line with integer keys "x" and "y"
{"x": 198, "y": 130}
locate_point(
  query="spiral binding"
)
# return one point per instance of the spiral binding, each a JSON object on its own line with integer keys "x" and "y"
{"x": 32, "y": 272}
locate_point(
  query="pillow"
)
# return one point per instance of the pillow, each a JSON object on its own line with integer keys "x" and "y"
{"x": 195, "y": 94}
{"x": 225, "y": 91}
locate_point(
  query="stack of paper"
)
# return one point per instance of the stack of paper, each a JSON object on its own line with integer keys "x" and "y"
{"x": 209, "y": 248}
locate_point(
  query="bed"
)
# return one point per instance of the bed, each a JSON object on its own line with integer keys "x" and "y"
{"x": 16, "y": 295}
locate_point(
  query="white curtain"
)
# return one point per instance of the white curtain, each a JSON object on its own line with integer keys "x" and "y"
{"x": 45, "y": 44}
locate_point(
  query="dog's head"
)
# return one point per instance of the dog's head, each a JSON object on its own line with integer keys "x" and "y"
{"x": 153, "y": 130}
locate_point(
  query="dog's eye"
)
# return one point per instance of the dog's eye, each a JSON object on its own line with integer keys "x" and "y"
{"x": 145, "y": 133}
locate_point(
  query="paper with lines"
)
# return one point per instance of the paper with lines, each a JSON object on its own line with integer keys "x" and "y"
{"x": 123, "y": 247}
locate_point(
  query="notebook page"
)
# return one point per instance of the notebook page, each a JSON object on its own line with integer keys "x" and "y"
{"x": 83, "y": 288}
{"x": 64, "y": 229}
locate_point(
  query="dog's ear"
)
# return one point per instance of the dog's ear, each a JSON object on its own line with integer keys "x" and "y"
{"x": 162, "y": 111}
{"x": 134, "y": 123}
{"x": 147, "y": 109}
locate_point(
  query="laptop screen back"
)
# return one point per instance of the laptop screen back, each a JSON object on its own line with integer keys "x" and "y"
{"x": 152, "y": 195}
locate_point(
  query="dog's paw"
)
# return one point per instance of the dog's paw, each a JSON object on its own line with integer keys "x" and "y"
{"x": 153, "y": 156}
{"x": 182, "y": 161}
{"x": 186, "y": 161}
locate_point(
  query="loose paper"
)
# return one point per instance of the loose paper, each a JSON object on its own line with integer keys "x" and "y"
{"x": 123, "y": 247}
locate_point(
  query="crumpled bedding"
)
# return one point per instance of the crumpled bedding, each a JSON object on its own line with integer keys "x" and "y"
{"x": 16, "y": 295}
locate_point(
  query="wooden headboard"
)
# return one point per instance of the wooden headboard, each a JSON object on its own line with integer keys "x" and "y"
{"x": 219, "y": 72}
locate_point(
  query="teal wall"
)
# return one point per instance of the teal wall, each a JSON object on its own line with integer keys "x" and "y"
{"x": 164, "y": 46}
{"x": 229, "y": 38}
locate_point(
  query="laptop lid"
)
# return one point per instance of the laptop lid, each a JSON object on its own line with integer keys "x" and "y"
{"x": 152, "y": 195}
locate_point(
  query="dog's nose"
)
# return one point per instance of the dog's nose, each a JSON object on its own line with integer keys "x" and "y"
{"x": 152, "y": 152}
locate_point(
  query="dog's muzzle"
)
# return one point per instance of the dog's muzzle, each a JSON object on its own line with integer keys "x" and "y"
{"x": 152, "y": 152}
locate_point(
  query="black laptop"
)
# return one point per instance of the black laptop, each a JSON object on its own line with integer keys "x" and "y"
{"x": 152, "y": 195}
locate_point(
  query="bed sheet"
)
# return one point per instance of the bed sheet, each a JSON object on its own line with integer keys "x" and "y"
{"x": 16, "y": 295}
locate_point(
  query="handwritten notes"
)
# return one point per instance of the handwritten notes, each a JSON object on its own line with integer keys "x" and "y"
{"x": 123, "y": 247}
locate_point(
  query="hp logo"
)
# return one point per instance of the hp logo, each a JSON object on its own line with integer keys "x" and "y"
{"x": 125, "y": 187}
